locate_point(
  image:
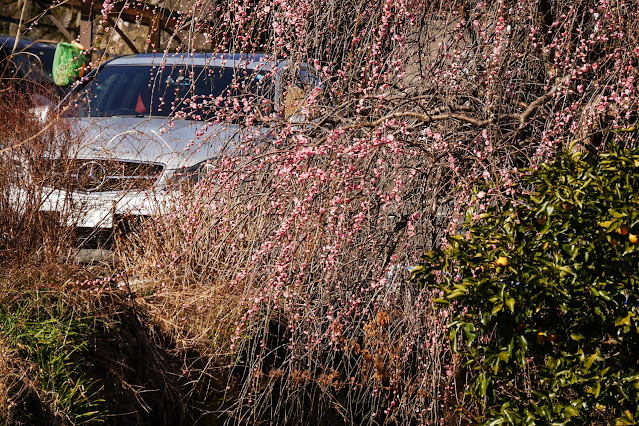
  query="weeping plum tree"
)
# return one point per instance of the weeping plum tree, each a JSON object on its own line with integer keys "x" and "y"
{"x": 290, "y": 262}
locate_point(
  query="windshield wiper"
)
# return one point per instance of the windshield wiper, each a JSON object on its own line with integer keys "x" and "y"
{"x": 121, "y": 115}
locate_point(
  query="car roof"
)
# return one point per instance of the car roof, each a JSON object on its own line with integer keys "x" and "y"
{"x": 231, "y": 60}
{"x": 6, "y": 42}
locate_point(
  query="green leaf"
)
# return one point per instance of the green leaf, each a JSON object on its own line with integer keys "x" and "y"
{"x": 577, "y": 336}
{"x": 469, "y": 332}
{"x": 623, "y": 321}
{"x": 626, "y": 419}
{"x": 588, "y": 362}
{"x": 616, "y": 214}
{"x": 523, "y": 343}
{"x": 483, "y": 384}
{"x": 453, "y": 339}
{"x": 455, "y": 294}
{"x": 567, "y": 269}
{"x": 570, "y": 411}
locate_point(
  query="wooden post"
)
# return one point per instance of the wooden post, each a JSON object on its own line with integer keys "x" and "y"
{"x": 86, "y": 31}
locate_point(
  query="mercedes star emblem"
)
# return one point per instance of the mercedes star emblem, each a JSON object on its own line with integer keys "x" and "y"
{"x": 91, "y": 176}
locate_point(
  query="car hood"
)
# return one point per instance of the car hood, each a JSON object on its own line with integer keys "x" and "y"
{"x": 174, "y": 143}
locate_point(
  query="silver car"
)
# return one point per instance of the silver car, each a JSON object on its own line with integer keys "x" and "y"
{"x": 149, "y": 122}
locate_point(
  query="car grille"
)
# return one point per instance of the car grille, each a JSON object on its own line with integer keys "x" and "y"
{"x": 97, "y": 175}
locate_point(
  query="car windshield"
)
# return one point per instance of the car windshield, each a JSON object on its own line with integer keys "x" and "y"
{"x": 181, "y": 91}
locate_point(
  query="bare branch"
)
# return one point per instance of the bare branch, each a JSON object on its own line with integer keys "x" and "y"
{"x": 426, "y": 118}
{"x": 523, "y": 118}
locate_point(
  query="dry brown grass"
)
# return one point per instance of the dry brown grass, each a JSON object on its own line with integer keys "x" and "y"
{"x": 26, "y": 234}
{"x": 15, "y": 382}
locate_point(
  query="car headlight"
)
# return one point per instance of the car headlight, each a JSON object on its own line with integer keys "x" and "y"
{"x": 190, "y": 176}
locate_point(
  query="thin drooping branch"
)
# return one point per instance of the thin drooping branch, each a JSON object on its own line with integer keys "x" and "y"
{"x": 425, "y": 118}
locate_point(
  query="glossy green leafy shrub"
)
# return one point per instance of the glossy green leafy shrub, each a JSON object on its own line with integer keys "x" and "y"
{"x": 546, "y": 296}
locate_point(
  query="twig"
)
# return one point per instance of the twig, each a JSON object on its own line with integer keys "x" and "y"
{"x": 9, "y": 148}
{"x": 426, "y": 118}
